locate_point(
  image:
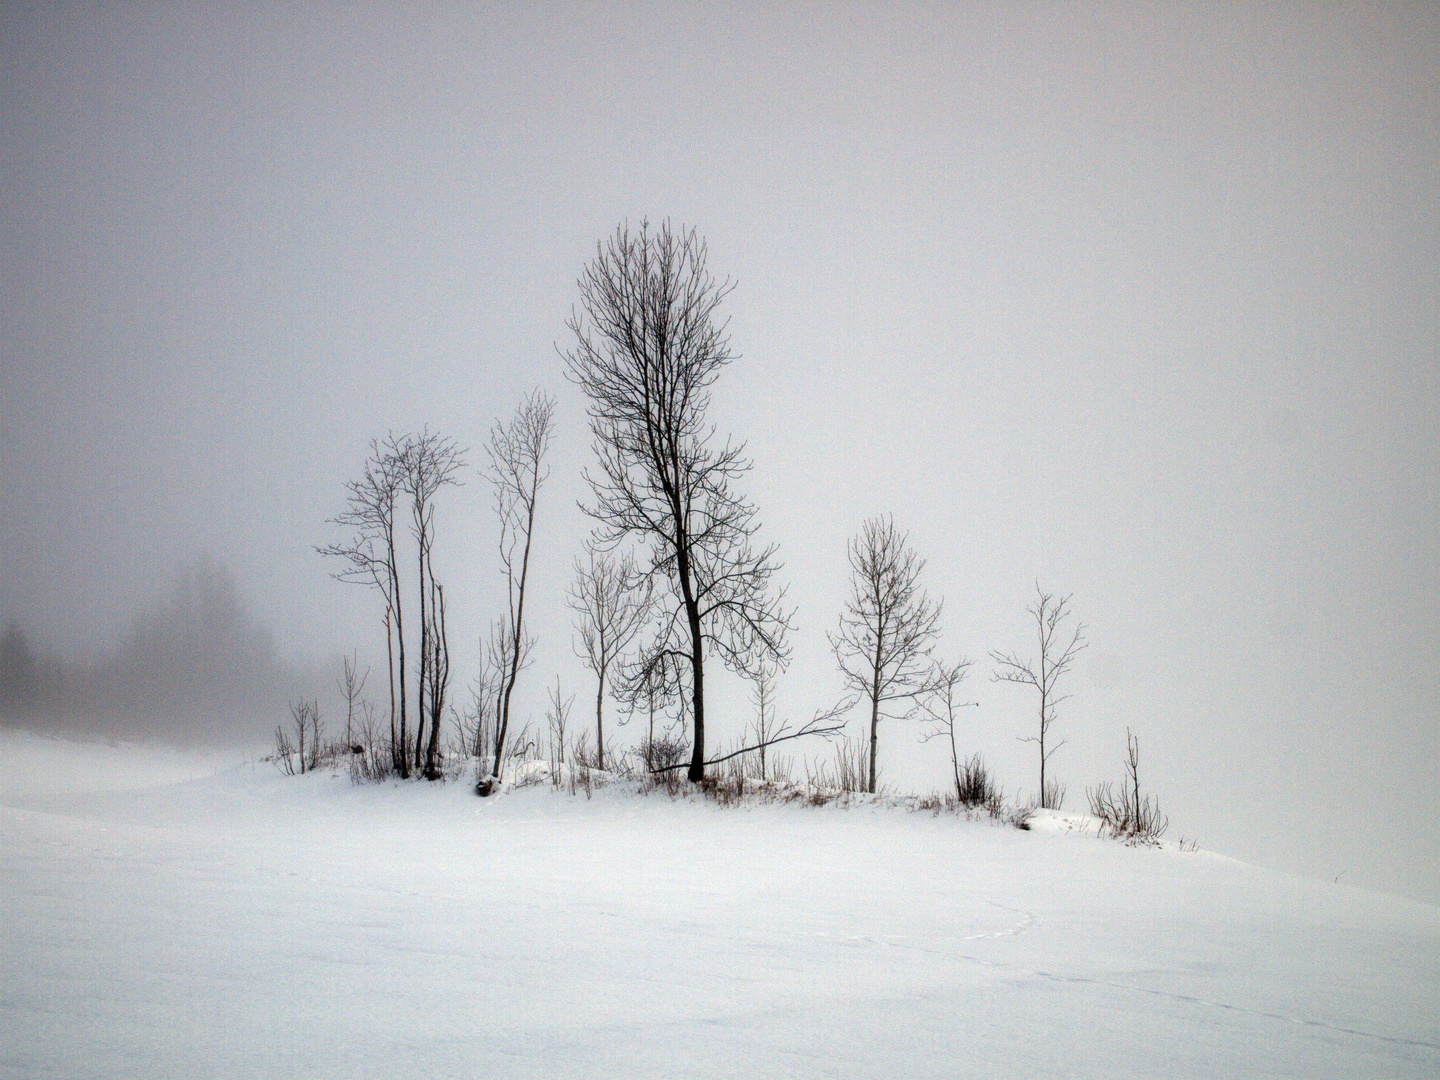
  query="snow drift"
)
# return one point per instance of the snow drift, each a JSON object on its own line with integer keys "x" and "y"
{"x": 244, "y": 923}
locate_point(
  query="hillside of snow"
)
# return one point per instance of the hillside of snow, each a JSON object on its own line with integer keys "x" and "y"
{"x": 174, "y": 916}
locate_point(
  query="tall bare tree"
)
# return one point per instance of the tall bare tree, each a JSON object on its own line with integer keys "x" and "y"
{"x": 370, "y": 553}
{"x": 888, "y": 627}
{"x": 1044, "y": 672}
{"x": 517, "y": 470}
{"x": 648, "y": 347}
{"x": 612, "y": 603}
{"x": 430, "y": 462}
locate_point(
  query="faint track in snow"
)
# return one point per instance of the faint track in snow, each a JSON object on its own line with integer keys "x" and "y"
{"x": 1194, "y": 1000}
{"x": 905, "y": 941}
{"x": 1027, "y": 920}
{"x": 1297, "y": 1020}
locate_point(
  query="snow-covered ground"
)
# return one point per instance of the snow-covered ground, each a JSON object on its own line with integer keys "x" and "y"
{"x": 248, "y": 924}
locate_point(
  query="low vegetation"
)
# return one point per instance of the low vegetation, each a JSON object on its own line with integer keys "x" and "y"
{"x": 1124, "y": 813}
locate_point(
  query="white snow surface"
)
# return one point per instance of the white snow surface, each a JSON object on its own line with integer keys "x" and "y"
{"x": 248, "y": 924}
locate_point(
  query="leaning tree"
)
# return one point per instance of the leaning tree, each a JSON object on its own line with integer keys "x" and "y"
{"x": 648, "y": 347}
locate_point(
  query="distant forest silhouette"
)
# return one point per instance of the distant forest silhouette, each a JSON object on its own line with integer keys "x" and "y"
{"x": 198, "y": 668}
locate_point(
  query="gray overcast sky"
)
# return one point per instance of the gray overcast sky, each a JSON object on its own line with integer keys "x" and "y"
{"x": 1138, "y": 301}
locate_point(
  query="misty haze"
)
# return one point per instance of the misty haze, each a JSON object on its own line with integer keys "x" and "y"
{"x": 624, "y": 540}
{"x": 197, "y": 668}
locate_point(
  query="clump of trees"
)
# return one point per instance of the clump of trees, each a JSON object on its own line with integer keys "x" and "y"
{"x": 390, "y": 515}
{"x": 30, "y": 685}
{"x": 404, "y": 473}
{"x": 306, "y": 750}
{"x": 673, "y": 576}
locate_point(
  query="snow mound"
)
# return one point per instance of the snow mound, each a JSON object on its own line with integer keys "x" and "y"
{"x": 253, "y": 924}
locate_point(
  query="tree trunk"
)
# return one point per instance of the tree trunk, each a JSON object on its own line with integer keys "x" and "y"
{"x": 402, "y": 756}
{"x": 439, "y": 676}
{"x": 390, "y": 659}
{"x": 697, "y": 670}
{"x": 879, "y": 660}
{"x": 425, "y": 672}
{"x": 1043, "y": 800}
{"x": 954, "y": 755}
{"x": 697, "y": 659}
{"x": 599, "y": 726}
{"x": 874, "y": 739}
{"x": 518, "y": 630}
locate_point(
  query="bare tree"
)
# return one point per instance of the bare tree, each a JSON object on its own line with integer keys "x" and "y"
{"x": 317, "y": 747}
{"x": 477, "y": 722}
{"x": 371, "y": 557}
{"x": 888, "y": 627}
{"x": 1043, "y": 673}
{"x": 942, "y": 707}
{"x": 499, "y": 658}
{"x": 762, "y": 695}
{"x": 429, "y": 462}
{"x": 351, "y": 685}
{"x": 284, "y": 756}
{"x": 517, "y": 469}
{"x": 651, "y": 682}
{"x": 648, "y": 347}
{"x": 557, "y": 716}
{"x": 612, "y": 606}
{"x": 306, "y": 717}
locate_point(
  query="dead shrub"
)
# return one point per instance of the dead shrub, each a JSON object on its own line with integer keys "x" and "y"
{"x": 974, "y": 784}
{"x": 1051, "y": 797}
{"x": 1124, "y": 813}
{"x": 664, "y": 758}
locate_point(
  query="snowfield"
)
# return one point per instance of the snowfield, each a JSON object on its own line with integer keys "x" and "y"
{"x": 248, "y": 924}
